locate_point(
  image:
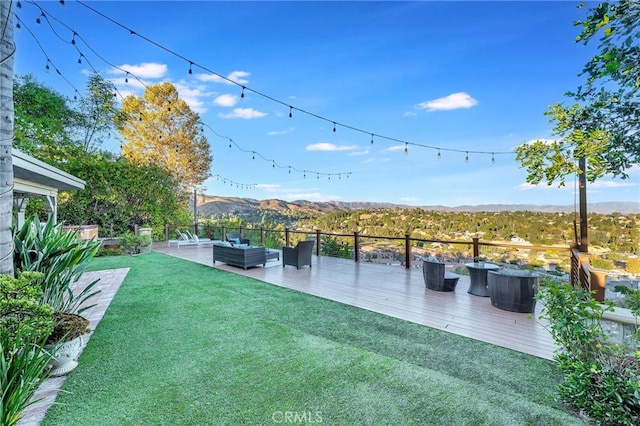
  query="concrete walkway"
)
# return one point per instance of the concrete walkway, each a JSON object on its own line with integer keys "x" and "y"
{"x": 109, "y": 284}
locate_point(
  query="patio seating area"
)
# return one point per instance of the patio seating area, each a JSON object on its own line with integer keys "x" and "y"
{"x": 399, "y": 293}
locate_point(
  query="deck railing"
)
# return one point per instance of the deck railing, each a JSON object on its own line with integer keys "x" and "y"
{"x": 219, "y": 232}
{"x": 582, "y": 273}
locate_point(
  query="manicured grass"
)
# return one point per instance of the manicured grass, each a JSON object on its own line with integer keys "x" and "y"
{"x": 185, "y": 344}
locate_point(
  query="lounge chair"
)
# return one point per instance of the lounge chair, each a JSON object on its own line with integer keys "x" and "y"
{"x": 181, "y": 240}
{"x": 197, "y": 240}
{"x": 299, "y": 255}
{"x": 435, "y": 277}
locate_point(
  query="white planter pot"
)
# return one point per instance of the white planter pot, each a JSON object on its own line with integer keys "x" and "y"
{"x": 64, "y": 359}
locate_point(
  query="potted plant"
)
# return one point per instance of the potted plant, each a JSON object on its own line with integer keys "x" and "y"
{"x": 65, "y": 342}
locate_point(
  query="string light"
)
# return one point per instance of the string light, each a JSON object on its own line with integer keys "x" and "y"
{"x": 229, "y": 80}
{"x": 18, "y": 27}
{"x": 334, "y": 127}
{"x": 242, "y": 93}
{"x": 466, "y": 158}
{"x": 439, "y": 155}
{"x": 371, "y": 138}
{"x": 190, "y": 69}
{"x": 406, "y": 149}
{"x": 493, "y": 158}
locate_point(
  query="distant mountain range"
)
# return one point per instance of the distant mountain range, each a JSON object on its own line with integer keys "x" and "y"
{"x": 251, "y": 209}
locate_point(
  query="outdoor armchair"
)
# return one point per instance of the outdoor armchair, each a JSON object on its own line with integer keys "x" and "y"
{"x": 299, "y": 255}
{"x": 435, "y": 277}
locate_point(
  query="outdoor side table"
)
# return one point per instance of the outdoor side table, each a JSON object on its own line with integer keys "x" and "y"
{"x": 478, "y": 277}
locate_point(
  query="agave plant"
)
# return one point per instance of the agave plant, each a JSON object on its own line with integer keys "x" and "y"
{"x": 60, "y": 256}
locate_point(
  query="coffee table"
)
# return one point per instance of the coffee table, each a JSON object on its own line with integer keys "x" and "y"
{"x": 478, "y": 277}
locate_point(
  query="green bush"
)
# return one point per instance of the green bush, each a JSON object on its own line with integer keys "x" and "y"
{"x": 24, "y": 327}
{"x": 332, "y": 247}
{"x": 60, "y": 256}
{"x": 599, "y": 378}
{"x": 599, "y": 262}
{"x": 134, "y": 244}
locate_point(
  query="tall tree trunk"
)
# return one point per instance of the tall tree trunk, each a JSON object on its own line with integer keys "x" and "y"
{"x": 7, "y": 50}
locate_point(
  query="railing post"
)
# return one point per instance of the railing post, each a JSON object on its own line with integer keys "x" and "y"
{"x": 286, "y": 237}
{"x": 476, "y": 248}
{"x": 240, "y": 230}
{"x": 195, "y": 228}
{"x": 261, "y": 235}
{"x": 598, "y": 282}
{"x": 318, "y": 247}
{"x": 166, "y": 231}
{"x": 135, "y": 229}
{"x": 356, "y": 246}
{"x": 407, "y": 251}
{"x": 224, "y": 232}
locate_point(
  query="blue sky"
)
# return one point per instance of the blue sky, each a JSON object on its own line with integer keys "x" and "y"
{"x": 458, "y": 76}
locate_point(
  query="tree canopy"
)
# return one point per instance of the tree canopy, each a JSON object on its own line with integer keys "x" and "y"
{"x": 602, "y": 122}
{"x": 118, "y": 193}
{"x": 161, "y": 129}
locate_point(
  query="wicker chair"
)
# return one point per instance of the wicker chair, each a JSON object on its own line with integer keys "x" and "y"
{"x": 299, "y": 255}
{"x": 435, "y": 277}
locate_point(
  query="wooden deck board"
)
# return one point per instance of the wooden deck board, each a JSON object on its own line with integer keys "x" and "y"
{"x": 400, "y": 293}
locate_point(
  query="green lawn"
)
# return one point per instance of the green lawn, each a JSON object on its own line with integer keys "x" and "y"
{"x": 185, "y": 344}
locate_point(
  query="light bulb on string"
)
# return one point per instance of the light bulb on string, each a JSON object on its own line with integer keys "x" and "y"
{"x": 334, "y": 127}
{"x": 38, "y": 18}
{"x": 253, "y": 155}
{"x": 190, "y": 69}
{"x": 73, "y": 39}
{"x": 406, "y": 149}
{"x": 439, "y": 155}
{"x": 80, "y": 58}
{"x": 289, "y": 169}
{"x": 47, "y": 68}
{"x": 18, "y": 27}
{"x": 242, "y": 93}
{"x": 61, "y": 2}
{"x": 318, "y": 176}
{"x": 290, "y": 111}
{"x": 371, "y": 138}
{"x": 274, "y": 165}
{"x": 126, "y": 78}
{"x": 19, "y": 5}
{"x": 229, "y": 144}
{"x": 466, "y": 158}
{"x": 493, "y": 158}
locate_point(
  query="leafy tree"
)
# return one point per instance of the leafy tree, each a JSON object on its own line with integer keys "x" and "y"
{"x": 43, "y": 120}
{"x": 96, "y": 113}
{"x": 603, "y": 124}
{"x": 161, "y": 129}
{"x": 119, "y": 194}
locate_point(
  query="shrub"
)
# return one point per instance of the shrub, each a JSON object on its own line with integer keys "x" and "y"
{"x": 330, "y": 246}
{"x": 633, "y": 265}
{"x": 24, "y": 327}
{"x": 598, "y": 262}
{"x": 134, "y": 244}
{"x": 60, "y": 256}
{"x": 598, "y": 378}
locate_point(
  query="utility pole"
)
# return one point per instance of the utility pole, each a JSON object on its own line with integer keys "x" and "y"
{"x": 582, "y": 184}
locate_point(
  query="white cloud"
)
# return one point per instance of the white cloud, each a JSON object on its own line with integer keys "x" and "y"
{"x": 355, "y": 153}
{"x": 143, "y": 70}
{"x": 410, "y": 114}
{"x": 233, "y": 77}
{"x": 609, "y": 184}
{"x": 281, "y": 132}
{"x": 452, "y": 101}
{"x": 192, "y": 95}
{"x": 395, "y": 148}
{"x": 409, "y": 199}
{"x": 244, "y": 113}
{"x": 226, "y": 100}
{"x": 268, "y": 186}
{"x": 325, "y": 146}
{"x": 528, "y": 186}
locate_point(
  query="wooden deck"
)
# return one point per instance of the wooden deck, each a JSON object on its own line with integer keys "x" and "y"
{"x": 397, "y": 292}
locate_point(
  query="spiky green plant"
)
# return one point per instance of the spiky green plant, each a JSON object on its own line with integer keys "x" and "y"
{"x": 60, "y": 256}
